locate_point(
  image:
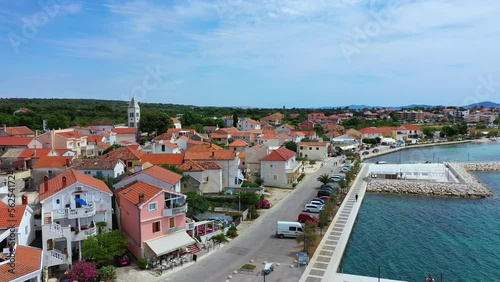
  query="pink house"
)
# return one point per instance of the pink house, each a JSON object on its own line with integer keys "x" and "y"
{"x": 154, "y": 220}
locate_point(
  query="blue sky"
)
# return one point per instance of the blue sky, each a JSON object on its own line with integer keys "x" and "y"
{"x": 269, "y": 53}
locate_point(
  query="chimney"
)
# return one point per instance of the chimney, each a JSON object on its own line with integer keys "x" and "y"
{"x": 141, "y": 198}
{"x": 213, "y": 154}
{"x": 52, "y": 139}
{"x": 24, "y": 199}
{"x": 5, "y": 128}
{"x": 45, "y": 184}
{"x": 68, "y": 162}
{"x": 64, "y": 181}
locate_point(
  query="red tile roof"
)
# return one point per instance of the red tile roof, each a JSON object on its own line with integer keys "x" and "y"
{"x": 164, "y": 136}
{"x": 242, "y": 155}
{"x": 31, "y": 152}
{"x": 162, "y": 174}
{"x": 175, "y": 120}
{"x": 241, "y": 134}
{"x": 281, "y": 155}
{"x": 323, "y": 144}
{"x": 369, "y": 130}
{"x": 53, "y": 162}
{"x": 72, "y": 176}
{"x": 95, "y": 138}
{"x": 19, "y": 130}
{"x": 210, "y": 165}
{"x": 269, "y": 136}
{"x": 163, "y": 159}
{"x": 15, "y": 141}
{"x": 412, "y": 127}
{"x": 6, "y": 220}
{"x": 190, "y": 165}
{"x": 194, "y": 142}
{"x": 132, "y": 191}
{"x": 102, "y": 145}
{"x": 91, "y": 164}
{"x": 205, "y": 147}
{"x": 214, "y": 155}
{"x": 215, "y": 135}
{"x": 124, "y": 130}
{"x": 71, "y": 135}
{"x": 228, "y": 130}
{"x": 238, "y": 143}
{"x": 124, "y": 153}
{"x": 28, "y": 260}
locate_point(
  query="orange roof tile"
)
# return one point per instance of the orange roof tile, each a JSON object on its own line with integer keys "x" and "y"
{"x": 281, "y": 154}
{"x": 132, "y": 191}
{"x": 241, "y": 134}
{"x": 19, "y": 130}
{"x": 242, "y": 155}
{"x": 218, "y": 135}
{"x": 102, "y": 145}
{"x": 190, "y": 165}
{"x": 238, "y": 143}
{"x": 6, "y": 221}
{"x": 31, "y": 152}
{"x": 28, "y": 260}
{"x": 163, "y": 136}
{"x": 71, "y": 135}
{"x": 15, "y": 141}
{"x": 210, "y": 165}
{"x": 53, "y": 162}
{"x": 72, "y": 176}
{"x": 124, "y": 130}
{"x": 163, "y": 159}
{"x": 194, "y": 142}
{"x": 205, "y": 147}
{"x": 313, "y": 144}
{"x": 162, "y": 174}
{"x": 214, "y": 155}
{"x": 269, "y": 136}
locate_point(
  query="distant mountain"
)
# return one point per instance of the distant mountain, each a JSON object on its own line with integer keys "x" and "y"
{"x": 486, "y": 104}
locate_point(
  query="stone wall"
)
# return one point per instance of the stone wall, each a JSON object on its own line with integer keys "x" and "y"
{"x": 469, "y": 186}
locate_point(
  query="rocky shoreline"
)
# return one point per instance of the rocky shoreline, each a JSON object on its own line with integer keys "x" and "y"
{"x": 468, "y": 186}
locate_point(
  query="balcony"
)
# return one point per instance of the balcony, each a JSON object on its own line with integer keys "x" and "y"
{"x": 55, "y": 257}
{"x": 81, "y": 212}
{"x": 83, "y": 234}
{"x": 175, "y": 211}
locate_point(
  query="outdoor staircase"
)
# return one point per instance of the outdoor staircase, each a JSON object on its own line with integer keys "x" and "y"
{"x": 193, "y": 249}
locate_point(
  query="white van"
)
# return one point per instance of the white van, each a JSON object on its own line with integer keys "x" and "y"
{"x": 288, "y": 229}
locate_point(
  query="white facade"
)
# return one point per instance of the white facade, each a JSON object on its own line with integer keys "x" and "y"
{"x": 210, "y": 180}
{"x": 118, "y": 170}
{"x": 283, "y": 129}
{"x": 66, "y": 223}
{"x": 270, "y": 143}
{"x": 280, "y": 173}
{"x": 246, "y": 124}
{"x": 313, "y": 151}
{"x": 161, "y": 147}
{"x": 134, "y": 113}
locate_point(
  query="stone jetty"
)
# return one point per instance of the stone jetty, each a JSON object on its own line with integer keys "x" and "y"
{"x": 466, "y": 187}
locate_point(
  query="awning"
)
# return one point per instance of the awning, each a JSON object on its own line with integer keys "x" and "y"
{"x": 169, "y": 243}
{"x": 81, "y": 201}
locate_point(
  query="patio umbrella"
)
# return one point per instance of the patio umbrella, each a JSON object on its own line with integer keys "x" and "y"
{"x": 81, "y": 201}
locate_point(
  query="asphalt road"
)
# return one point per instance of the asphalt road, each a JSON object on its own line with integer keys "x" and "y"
{"x": 259, "y": 243}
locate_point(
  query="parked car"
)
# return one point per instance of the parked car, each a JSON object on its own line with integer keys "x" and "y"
{"x": 313, "y": 208}
{"x": 219, "y": 220}
{"x": 288, "y": 229}
{"x": 322, "y": 193}
{"x": 305, "y": 217}
{"x": 319, "y": 199}
{"x": 122, "y": 260}
{"x": 64, "y": 278}
{"x": 365, "y": 153}
{"x": 324, "y": 197}
{"x": 264, "y": 204}
{"x": 375, "y": 150}
{"x": 345, "y": 169}
{"x": 318, "y": 203}
{"x": 341, "y": 176}
{"x": 392, "y": 147}
{"x": 381, "y": 162}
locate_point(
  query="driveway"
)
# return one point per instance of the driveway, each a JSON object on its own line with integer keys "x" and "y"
{"x": 259, "y": 243}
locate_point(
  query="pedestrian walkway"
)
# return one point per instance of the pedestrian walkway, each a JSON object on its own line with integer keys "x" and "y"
{"x": 326, "y": 260}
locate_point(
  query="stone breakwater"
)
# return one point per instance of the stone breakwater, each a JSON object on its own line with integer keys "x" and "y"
{"x": 468, "y": 186}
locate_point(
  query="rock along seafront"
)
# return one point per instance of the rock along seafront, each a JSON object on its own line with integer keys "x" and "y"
{"x": 464, "y": 184}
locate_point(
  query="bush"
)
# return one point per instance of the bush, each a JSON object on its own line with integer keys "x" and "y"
{"x": 232, "y": 232}
{"x": 250, "y": 184}
{"x": 142, "y": 262}
{"x": 107, "y": 273}
{"x": 302, "y": 175}
{"x": 259, "y": 181}
{"x": 294, "y": 185}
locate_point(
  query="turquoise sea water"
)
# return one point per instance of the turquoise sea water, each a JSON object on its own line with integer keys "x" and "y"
{"x": 412, "y": 236}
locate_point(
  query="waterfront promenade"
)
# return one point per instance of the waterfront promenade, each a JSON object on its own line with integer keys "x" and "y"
{"x": 324, "y": 264}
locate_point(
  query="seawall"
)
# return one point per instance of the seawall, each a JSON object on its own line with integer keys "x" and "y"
{"x": 468, "y": 186}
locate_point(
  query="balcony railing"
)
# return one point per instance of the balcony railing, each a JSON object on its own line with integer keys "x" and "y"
{"x": 81, "y": 212}
{"x": 56, "y": 228}
{"x": 58, "y": 255}
{"x": 175, "y": 211}
{"x": 60, "y": 213}
{"x": 83, "y": 234}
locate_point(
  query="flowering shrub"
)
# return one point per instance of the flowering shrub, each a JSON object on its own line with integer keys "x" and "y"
{"x": 83, "y": 271}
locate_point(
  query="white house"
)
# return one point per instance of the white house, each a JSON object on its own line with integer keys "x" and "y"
{"x": 206, "y": 177}
{"x": 177, "y": 123}
{"x": 345, "y": 142}
{"x": 246, "y": 124}
{"x": 285, "y": 128}
{"x": 155, "y": 175}
{"x": 68, "y": 139}
{"x": 228, "y": 159}
{"x": 313, "y": 150}
{"x": 280, "y": 168}
{"x": 269, "y": 140}
{"x": 164, "y": 147}
{"x": 21, "y": 226}
{"x": 72, "y": 203}
{"x": 107, "y": 168}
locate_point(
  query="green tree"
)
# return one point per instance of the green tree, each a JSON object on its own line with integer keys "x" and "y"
{"x": 154, "y": 122}
{"x": 462, "y": 128}
{"x": 428, "y": 132}
{"x": 219, "y": 239}
{"x": 249, "y": 198}
{"x": 107, "y": 273}
{"x": 190, "y": 118}
{"x": 496, "y": 121}
{"x": 324, "y": 178}
{"x": 308, "y": 236}
{"x": 104, "y": 246}
{"x": 259, "y": 181}
{"x": 199, "y": 128}
{"x": 319, "y": 129}
{"x": 235, "y": 119}
{"x": 196, "y": 204}
{"x": 111, "y": 148}
{"x": 290, "y": 145}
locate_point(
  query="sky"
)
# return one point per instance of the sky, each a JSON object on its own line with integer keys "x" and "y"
{"x": 269, "y": 53}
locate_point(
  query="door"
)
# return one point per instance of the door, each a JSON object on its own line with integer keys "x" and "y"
{"x": 78, "y": 205}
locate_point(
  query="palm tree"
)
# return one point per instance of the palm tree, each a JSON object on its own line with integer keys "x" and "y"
{"x": 324, "y": 178}
{"x": 308, "y": 236}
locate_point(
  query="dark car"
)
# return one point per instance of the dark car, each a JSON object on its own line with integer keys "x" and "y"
{"x": 122, "y": 260}
{"x": 64, "y": 278}
{"x": 324, "y": 192}
{"x": 375, "y": 151}
{"x": 365, "y": 153}
{"x": 392, "y": 147}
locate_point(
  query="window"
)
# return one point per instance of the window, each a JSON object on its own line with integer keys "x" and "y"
{"x": 275, "y": 177}
{"x": 310, "y": 148}
{"x": 131, "y": 124}
{"x": 243, "y": 163}
{"x": 97, "y": 196}
{"x": 270, "y": 165}
{"x": 87, "y": 172}
{"x": 129, "y": 164}
{"x": 317, "y": 148}
{"x": 26, "y": 230}
{"x": 58, "y": 201}
{"x": 153, "y": 207}
{"x": 99, "y": 173}
{"x": 156, "y": 227}
{"x": 163, "y": 148}
{"x": 302, "y": 147}
{"x": 292, "y": 228}
{"x": 171, "y": 222}
{"x": 131, "y": 115}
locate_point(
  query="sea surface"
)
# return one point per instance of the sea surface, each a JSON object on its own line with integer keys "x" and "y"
{"x": 409, "y": 237}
